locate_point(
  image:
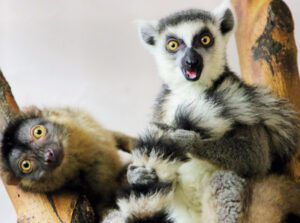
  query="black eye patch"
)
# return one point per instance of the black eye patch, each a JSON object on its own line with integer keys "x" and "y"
{"x": 203, "y": 39}
{"x": 173, "y": 44}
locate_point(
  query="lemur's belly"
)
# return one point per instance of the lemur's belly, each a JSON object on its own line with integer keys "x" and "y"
{"x": 194, "y": 176}
{"x": 193, "y": 179}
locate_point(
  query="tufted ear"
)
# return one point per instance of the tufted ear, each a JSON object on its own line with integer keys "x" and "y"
{"x": 226, "y": 18}
{"x": 148, "y": 32}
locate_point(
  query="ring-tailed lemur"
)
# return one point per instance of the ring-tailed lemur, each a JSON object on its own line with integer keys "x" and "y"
{"x": 230, "y": 129}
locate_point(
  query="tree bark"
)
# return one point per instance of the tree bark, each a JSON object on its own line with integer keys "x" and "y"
{"x": 267, "y": 51}
{"x": 63, "y": 207}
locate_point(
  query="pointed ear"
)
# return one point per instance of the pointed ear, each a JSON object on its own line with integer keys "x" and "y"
{"x": 226, "y": 18}
{"x": 32, "y": 109}
{"x": 148, "y": 32}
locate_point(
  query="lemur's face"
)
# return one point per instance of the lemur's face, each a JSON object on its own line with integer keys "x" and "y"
{"x": 32, "y": 148}
{"x": 189, "y": 46}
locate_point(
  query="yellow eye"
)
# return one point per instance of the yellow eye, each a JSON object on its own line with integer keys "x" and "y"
{"x": 25, "y": 166}
{"x": 206, "y": 40}
{"x": 38, "y": 131}
{"x": 172, "y": 45}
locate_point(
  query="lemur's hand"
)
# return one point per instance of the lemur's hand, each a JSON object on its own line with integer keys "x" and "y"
{"x": 141, "y": 175}
{"x": 185, "y": 138}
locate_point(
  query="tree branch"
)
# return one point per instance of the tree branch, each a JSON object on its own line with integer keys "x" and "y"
{"x": 267, "y": 51}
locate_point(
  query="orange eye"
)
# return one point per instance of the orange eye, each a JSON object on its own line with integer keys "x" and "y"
{"x": 206, "y": 40}
{"x": 172, "y": 45}
{"x": 25, "y": 166}
{"x": 38, "y": 131}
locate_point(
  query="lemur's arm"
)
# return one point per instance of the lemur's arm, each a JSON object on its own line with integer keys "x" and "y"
{"x": 242, "y": 128}
{"x": 244, "y": 150}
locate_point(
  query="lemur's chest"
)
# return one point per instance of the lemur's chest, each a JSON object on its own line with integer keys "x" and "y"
{"x": 193, "y": 100}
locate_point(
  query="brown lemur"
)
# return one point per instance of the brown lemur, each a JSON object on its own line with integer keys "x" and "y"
{"x": 54, "y": 148}
{"x": 233, "y": 133}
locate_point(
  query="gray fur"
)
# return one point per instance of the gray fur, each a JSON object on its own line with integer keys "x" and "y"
{"x": 243, "y": 150}
{"x": 141, "y": 175}
{"x": 186, "y": 139}
{"x": 22, "y": 140}
{"x": 185, "y": 16}
{"x": 148, "y": 33}
{"x": 262, "y": 131}
{"x": 229, "y": 190}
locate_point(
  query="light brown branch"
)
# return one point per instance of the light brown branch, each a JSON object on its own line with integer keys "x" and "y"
{"x": 267, "y": 51}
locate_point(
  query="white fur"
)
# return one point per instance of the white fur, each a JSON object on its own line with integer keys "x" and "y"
{"x": 238, "y": 102}
{"x": 145, "y": 205}
{"x": 213, "y": 61}
{"x": 165, "y": 169}
{"x": 193, "y": 180}
{"x": 192, "y": 98}
{"x": 220, "y": 10}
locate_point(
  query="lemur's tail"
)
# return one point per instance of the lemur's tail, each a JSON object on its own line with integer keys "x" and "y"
{"x": 275, "y": 199}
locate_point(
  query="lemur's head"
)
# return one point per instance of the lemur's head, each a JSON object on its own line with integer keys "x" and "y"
{"x": 189, "y": 46}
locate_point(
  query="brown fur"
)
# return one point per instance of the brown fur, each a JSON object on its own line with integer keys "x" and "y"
{"x": 272, "y": 199}
{"x": 90, "y": 150}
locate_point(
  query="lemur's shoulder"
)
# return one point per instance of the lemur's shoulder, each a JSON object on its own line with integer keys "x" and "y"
{"x": 230, "y": 84}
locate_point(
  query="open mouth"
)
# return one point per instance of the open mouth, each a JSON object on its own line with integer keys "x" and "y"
{"x": 192, "y": 74}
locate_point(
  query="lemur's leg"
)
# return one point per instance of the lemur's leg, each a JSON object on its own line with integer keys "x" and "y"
{"x": 224, "y": 199}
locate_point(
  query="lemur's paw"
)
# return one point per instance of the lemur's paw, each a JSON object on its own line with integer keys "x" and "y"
{"x": 141, "y": 175}
{"x": 185, "y": 138}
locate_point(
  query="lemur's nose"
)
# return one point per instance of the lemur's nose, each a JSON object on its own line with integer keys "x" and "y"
{"x": 192, "y": 59}
{"x": 192, "y": 62}
{"x": 50, "y": 156}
